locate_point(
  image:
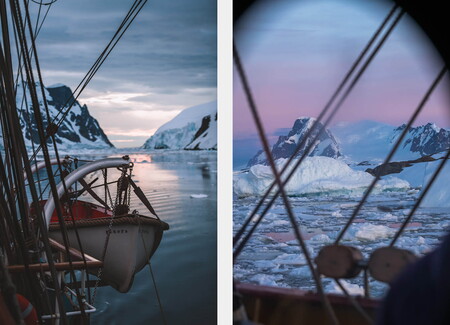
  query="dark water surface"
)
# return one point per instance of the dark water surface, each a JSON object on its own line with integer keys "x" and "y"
{"x": 185, "y": 264}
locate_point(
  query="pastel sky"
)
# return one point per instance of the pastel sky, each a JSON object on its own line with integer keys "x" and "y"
{"x": 165, "y": 62}
{"x": 296, "y": 52}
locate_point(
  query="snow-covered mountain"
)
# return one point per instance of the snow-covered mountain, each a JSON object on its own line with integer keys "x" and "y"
{"x": 326, "y": 144}
{"x": 371, "y": 141}
{"x": 425, "y": 139}
{"x": 195, "y": 128}
{"x": 78, "y": 130}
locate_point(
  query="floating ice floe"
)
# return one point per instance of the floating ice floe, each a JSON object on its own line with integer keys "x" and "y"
{"x": 302, "y": 272}
{"x": 267, "y": 280}
{"x": 351, "y": 288}
{"x": 290, "y": 259}
{"x": 369, "y": 232}
{"x": 316, "y": 175}
{"x": 418, "y": 245}
{"x": 199, "y": 196}
{"x": 321, "y": 238}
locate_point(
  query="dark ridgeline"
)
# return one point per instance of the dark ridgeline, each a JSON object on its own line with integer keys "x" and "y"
{"x": 426, "y": 139}
{"x": 77, "y": 127}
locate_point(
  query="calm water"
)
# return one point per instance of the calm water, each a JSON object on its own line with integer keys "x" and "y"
{"x": 185, "y": 264}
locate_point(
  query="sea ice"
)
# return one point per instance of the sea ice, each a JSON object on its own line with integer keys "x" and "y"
{"x": 199, "y": 196}
{"x": 320, "y": 238}
{"x": 370, "y": 232}
{"x": 267, "y": 280}
{"x": 351, "y": 288}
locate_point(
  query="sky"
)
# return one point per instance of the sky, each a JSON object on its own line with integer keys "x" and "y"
{"x": 295, "y": 53}
{"x": 165, "y": 62}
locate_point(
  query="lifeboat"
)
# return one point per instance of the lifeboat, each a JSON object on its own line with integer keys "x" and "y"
{"x": 132, "y": 241}
{"x": 123, "y": 241}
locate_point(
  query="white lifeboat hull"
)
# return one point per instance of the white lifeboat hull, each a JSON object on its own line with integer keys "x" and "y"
{"x": 132, "y": 242}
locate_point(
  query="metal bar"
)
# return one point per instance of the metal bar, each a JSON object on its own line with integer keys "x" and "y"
{"x": 40, "y": 165}
{"x": 391, "y": 153}
{"x": 78, "y": 174}
{"x": 74, "y": 252}
{"x": 262, "y": 135}
{"x": 61, "y": 266}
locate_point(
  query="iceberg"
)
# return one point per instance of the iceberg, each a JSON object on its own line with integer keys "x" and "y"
{"x": 316, "y": 175}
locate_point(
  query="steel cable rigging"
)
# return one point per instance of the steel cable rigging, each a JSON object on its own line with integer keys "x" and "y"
{"x": 280, "y": 184}
{"x": 328, "y": 120}
{"x": 125, "y": 24}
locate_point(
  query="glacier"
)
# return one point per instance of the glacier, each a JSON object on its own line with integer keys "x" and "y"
{"x": 439, "y": 194}
{"x": 195, "y": 128}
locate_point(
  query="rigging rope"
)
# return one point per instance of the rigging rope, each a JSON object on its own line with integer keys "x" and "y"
{"x": 317, "y": 121}
{"x": 129, "y": 18}
{"x": 152, "y": 275}
{"x": 355, "y": 304}
{"x": 49, "y": 169}
{"x": 287, "y": 205}
{"x": 30, "y": 79}
{"x": 421, "y": 197}
{"x": 114, "y": 206}
{"x": 312, "y": 143}
{"x": 44, "y": 4}
{"x": 391, "y": 154}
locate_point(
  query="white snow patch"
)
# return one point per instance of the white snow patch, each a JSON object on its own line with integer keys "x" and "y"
{"x": 351, "y": 288}
{"x": 290, "y": 259}
{"x": 369, "y": 232}
{"x": 199, "y": 196}
{"x": 320, "y": 238}
{"x": 267, "y": 280}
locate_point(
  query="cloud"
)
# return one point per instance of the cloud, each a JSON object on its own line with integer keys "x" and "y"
{"x": 297, "y": 52}
{"x": 166, "y": 60}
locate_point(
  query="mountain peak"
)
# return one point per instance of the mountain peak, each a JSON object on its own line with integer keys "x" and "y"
{"x": 325, "y": 145}
{"x": 79, "y": 128}
{"x": 426, "y": 139}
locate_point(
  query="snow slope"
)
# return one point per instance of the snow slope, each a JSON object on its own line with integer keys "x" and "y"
{"x": 316, "y": 175}
{"x": 195, "y": 128}
{"x": 79, "y": 130}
